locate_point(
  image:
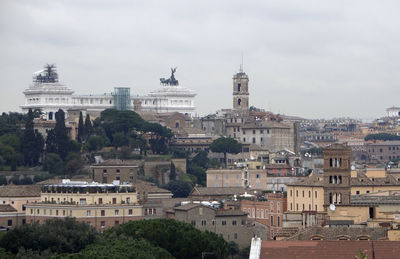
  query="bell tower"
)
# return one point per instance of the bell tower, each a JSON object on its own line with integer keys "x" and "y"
{"x": 241, "y": 91}
{"x": 337, "y": 174}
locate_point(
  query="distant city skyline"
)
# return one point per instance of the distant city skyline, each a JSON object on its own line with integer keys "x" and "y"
{"x": 310, "y": 59}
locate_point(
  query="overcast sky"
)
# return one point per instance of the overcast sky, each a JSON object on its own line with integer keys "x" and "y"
{"x": 315, "y": 59}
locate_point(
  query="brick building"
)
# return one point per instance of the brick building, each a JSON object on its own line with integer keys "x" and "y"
{"x": 269, "y": 212}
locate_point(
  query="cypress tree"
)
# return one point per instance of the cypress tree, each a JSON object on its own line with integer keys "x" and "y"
{"x": 81, "y": 129}
{"x": 28, "y": 140}
{"x": 62, "y": 139}
{"x": 88, "y": 127}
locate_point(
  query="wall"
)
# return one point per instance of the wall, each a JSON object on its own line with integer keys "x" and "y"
{"x": 301, "y": 198}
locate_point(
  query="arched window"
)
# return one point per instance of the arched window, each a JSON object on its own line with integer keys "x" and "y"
{"x": 239, "y": 86}
{"x": 239, "y": 101}
{"x": 330, "y": 198}
{"x": 50, "y": 116}
{"x": 343, "y": 237}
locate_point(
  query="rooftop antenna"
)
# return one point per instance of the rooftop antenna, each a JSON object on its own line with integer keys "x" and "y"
{"x": 241, "y": 65}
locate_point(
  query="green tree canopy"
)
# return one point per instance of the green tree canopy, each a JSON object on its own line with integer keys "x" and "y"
{"x": 382, "y": 136}
{"x": 181, "y": 240}
{"x": 123, "y": 248}
{"x": 226, "y": 145}
{"x": 57, "y": 235}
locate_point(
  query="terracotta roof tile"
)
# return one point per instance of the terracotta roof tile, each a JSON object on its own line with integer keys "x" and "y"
{"x": 329, "y": 249}
{"x": 20, "y": 190}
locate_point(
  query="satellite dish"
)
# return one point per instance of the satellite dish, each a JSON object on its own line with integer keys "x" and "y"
{"x": 332, "y": 207}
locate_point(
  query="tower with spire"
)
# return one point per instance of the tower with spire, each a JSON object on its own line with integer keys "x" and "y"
{"x": 241, "y": 90}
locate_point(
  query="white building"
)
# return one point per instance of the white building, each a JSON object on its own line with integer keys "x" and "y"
{"x": 393, "y": 111}
{"x": 48, "y": 94}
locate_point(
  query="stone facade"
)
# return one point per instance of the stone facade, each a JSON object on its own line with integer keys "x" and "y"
{"x": 231, "y": 224}
{"x": 114, "y": 169}
{"x": 241, "y": 91}
{"x": 100, "y": 205}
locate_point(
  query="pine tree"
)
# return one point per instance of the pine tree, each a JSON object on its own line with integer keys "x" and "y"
{"x": 62, "y": 139}
{"x": 81, "y": 129}
{"x": 88, "y": 127}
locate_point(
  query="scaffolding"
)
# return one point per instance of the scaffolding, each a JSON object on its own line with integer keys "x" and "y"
{"x": 122, "y": 98}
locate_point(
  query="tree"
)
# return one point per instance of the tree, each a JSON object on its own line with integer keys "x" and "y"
{"x": 226, "y": 145}
{"x": 53, "y": 163}
{"x": 62, "y": 139}
{"x": 81, "y": 129}
{"x": 88, "y": 127}
{"x": 57, "y": 235}
{"x": 164, "y": 232}
{"x": 123, "y": 248}
{"x": 179, "y": 189}
{"x": 51, "y": 145}
{"x": 74, "y": 164}
{"x": 119, "y": 140}
{"x": 95, "y": 143}
{"x": 172, "y": 173}
{"x": 28, "y": 141}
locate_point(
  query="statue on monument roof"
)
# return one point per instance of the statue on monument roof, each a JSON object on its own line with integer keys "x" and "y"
{"x": 171, "y": 80}
{"x": 46, "y": 75}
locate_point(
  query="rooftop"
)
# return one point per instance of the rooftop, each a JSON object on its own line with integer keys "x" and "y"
{"x": 7, "y": 208}
{"x": 20, "y": 191}
{"x": 333, "y": 233}
{"x": 329, "y": 249}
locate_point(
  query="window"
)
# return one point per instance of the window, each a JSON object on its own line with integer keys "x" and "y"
{"x": 116, "y": 212}
{"x": 216, "y": 176}
{"x": 9, "y": 222}
{"x": 315, "y": 194}
{"x": 128, "y": 200}
{"x": 88, "y": 213}
{"x": 203, "y": 222}
{"x": 303, "y": 193}
{"x": 104, "y": 171}
{"x": 103, "y": 224}
{"x": 82, "y": 201}
{"x": 258, "y": 213}
{"x": 254, "y": 140}
{"x": 114, "y": 200}
{"x": 254, "y": 213}
{"x": 309, "y": 194}
{"x": 257, "y": 176}
{"x": 103, "y": 213}
{"x": 100, "y": 200}
{"x": 291, "y": 193}
{"x": 116, "y": 222}
{"x": 223, "y": 222}
{"x": 63, "y": 212}
{"x": 271, "y": 206}
{"x": 297, "y": 193}
{"x": 234, "y": 222}
{"x": 279, "y": 221}
{"x": 118, "y": 171}
{"x": 130, "y": 212}
{"x": 357, "y": 192}
{"x": 272, "y": 220}
{"x": 235, "y": 236}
